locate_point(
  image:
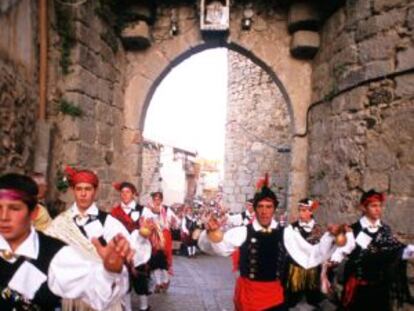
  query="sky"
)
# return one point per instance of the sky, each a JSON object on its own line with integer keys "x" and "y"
{"x": 188, "y": 109}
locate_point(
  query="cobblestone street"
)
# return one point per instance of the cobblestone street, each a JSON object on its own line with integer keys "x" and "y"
{"x": 201, "y": 283}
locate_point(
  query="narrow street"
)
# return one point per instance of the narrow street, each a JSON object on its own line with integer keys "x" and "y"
{"x": 201, "y": 283}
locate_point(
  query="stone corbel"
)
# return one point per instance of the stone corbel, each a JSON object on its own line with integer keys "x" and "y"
{"x": 304, "y": 22}
{"x": 136, "y": 34}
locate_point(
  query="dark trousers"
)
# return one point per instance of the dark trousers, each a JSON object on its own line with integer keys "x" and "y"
{"x": 281, "y": 307}
{"x": 370, "y": 297}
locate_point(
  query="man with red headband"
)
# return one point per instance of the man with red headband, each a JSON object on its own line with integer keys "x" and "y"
{"x": 375, "y": 272}
{"x": 129, "y": 212}
{"x": 83, "y": 221}
{"x": 161, "y": 257}
{"x": 264, "y": 251}
{"x": 305, "y": 283}
{"x": 36, "y": 270}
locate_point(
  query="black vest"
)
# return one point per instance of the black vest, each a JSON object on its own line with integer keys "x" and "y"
{"x": 44, "y": 298}
{"x": 372, "y": 264}
{"x": 101, "y": 217}
{"x": 263, "y": 256}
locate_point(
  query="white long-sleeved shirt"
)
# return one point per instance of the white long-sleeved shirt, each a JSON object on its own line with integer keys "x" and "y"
{"x": 110, "y": 229}
{"x": 70, "y": 275}
{"x": 164, "y": 220}
{"x": 363, "y": 240}
{"x": 304, "y": 253}
{"x": 238, "y": 220}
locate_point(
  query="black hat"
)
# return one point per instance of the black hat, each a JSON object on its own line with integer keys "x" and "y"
{"x": 264, "y": 192}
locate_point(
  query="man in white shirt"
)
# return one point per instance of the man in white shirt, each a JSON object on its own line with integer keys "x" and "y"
{"x": 129, "y": 212}
{"x": 83, "y": 221}
{"x": 161, "y": 257}
{"x": 264, "y": 251}
{"x": 37, "y": 270}
{"x": 301, "y": 282}
{"x": 375, "y": 272}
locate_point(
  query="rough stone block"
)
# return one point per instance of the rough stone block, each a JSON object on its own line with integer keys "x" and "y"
{"x": 357, "y": 10}
{"x": 379, "y": 158}
{"x": 69, "y": 127}
{"x": 383, "y": 5}
{"x": 405, "y": 86}
{"x": 378, "y": 69}
{"x": 86, "y": 103}
{"x": 303, "y": 16}
{"x": 398, "y": 214}
{"x": 356, "y": 99}
{"x": 402, "y": 182}
{"x": 405, "y": 59}
{"x": 42, "y": 151}
{"x": 104, "y": 134}
{"x": 87, "y": 131}
{"x": 378, "y": 23}
{"x": 379, "y": 47}
{"x": 88, "y": 60}
{"x": 378, "y": 181}
{"x": 410, "y": 18}
{"x": 87, "y": 37}
{"x": 71, "y": 151}
{"x": 305, "y": 44}
{"x": 343, "y": 41}
{"x": 351, "y": 78}
{"x": 80, "y": 80}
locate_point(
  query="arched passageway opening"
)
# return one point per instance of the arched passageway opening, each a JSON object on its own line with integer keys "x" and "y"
{"x": 256, "y": 131}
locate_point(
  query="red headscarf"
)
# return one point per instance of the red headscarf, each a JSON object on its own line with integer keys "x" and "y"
{"x": 372, "y": 196}
{"x": 76, "y": 177}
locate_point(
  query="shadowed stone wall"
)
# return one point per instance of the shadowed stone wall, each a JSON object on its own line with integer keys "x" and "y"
{"x": 93, "y": 82}
{"x": 361, "y": 135}
{"x": 18, "y": 85}
{"x": 258, "y": 123}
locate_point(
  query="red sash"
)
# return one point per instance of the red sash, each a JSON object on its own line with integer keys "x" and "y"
{"x": 255, "y": 295}
{"x": 235, "y": 259}
{"x": 168, "y": 249}
{"x": 119, "y": 213}
{"x": 350, "y": 289}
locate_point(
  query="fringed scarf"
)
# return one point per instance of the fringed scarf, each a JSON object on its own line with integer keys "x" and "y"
{"x": 64, "y": 229}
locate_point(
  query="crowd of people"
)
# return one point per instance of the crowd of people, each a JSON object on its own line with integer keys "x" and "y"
{"x": 88, "y": 259}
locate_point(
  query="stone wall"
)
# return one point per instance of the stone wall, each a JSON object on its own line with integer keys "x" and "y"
{"x": 18, "y": 85}
{"x": 90, "y": 79}
{"x": 361, "y": 126}
{"x": 258, "y": 123}
{"x": 150, "y": 174}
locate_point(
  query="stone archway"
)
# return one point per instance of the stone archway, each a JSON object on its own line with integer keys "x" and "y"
{"x": 268, "y": 47}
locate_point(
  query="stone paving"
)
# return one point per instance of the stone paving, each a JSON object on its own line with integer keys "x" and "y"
{"x": 204, "y": 283}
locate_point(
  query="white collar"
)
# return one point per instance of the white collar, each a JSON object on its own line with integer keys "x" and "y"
{"x": 92, "y": 210}
{"x": 29, "y": 247}
{"x": 367, "y": 224}
{"x": 130, "y": 206}
{"x": 307, "y": 225}
{"x": 259, "y": 227}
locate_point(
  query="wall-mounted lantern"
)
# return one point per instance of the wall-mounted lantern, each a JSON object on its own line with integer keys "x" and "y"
{"x": 174, "y": 30}
{"x": 246, "y": 22}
